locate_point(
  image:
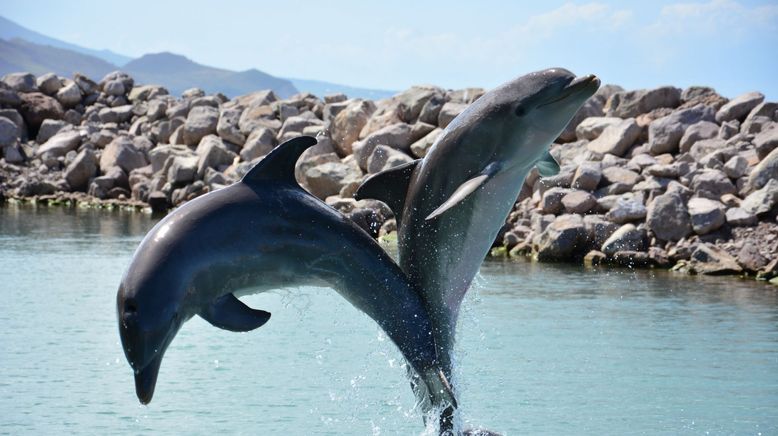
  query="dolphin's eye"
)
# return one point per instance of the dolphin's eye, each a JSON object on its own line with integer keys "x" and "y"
{"x": 520, "y": 111}
{"x": 130, "y": 307}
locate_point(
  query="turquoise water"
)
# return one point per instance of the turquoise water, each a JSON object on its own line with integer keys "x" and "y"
{"x": 543, "y": 349}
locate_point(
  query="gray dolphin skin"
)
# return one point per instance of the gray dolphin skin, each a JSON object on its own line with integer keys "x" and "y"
{"x": 451, "y": 204}
{"x": 264, "y": 232}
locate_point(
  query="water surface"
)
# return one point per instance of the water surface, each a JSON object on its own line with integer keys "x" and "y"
{"x": 543, "y": 349}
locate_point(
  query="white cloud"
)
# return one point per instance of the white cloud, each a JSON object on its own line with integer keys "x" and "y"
{"x": 725, "y": 18}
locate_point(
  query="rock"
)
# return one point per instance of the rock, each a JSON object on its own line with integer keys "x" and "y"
{"x": 668, "y": 218}
{"x": 626, "y": 238}
{"x": 764, "y": 171}
{"x": 212, "y": 154}
{"x": 384, "y": 157}
{"x": 665, "y": 133}
{"x": 594, "y": 258}
{"x": 590, "y": 128}
{"x": 578, "y": 202}
{"x": 13, "y": 155}
{"x": 182, "y": 170}
{"x": 706, "y": 215}
{"x": 613, "y": 175}
{"x": 294, "y": 126}
{"x": 751, "y": 259}
{"x": 551, "y": 201}
{"x": 765, "y": 142}
{"x": 704, "y": 147}
{"x": 626, "y": 211}
{"x": 413, "y": 100}
{"x": 259, "y": 143}
{"x": 329, "y": 178}
{"x": 598, "y": 229}
{"x": 711, "y": 260}
{"x": 739, "y": 107}
{"x": 420, "y": 147}
{"x": 736, "y": 167}
{"x": 562, "y": 239}
{"x": 83, "y": 167}
{"x": 712, "y": 184}
{"x": 697, "y": 132}
{"x": 114, "y": 87}
{"x": 69, "y": 95}
{"x": 9, "y": 132}
{"x": 617, "y": 138}
{"x": 633, "y": 103}
{"x": 465, "y": 95}
{"x": 592, "y": 107}
{"x": 36, "y": 107}
{"x": 397, "y": 136}
{"x": 31, "y": 187}
{"x": 448, "y": 112}
{"x": 21, "y": 82}
{"x": 48, "y": 129}
{"x": 121, "y": 152}
{"x": 227, "y": 126}
{"x": 144, "y": 93}
{"x": 587, "y": 177}
{"x": 763, "y": 200}
{"x": 694, "y": 95}
{"x": 431, "y": 109}
{"x": 308, "y": 161}
{"x": 59, "y": 145}
{"x": 346, "y": 126}
{"x": 48, "y": 84}
{"x": 201, "y": 121}
{"x": 158, "y": 201}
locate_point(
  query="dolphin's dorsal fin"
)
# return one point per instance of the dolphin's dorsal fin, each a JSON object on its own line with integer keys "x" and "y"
{"x": 547, "y": 165}
{"x": 466, "y": 189}
{"x": 389, "y": 186}
{"x": 229, "y": 313}
{"x": 279, "y": 163}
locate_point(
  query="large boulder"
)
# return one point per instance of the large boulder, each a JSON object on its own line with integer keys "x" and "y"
{"x": 227, "y": 126}
{"x": 665, "y": 133}
{"x": 627, "y": 210}
{"x": 9, "y": 132}
{"x": 590, "y": 128}
{"x": 668, "y": 218}
{"x": 121, "y": 152}
{"x": 36, "y": 107}
{"x": 69, "y": 95}
{"x": 347, "y": 124}
{"x": 21, "y": 82}
{"x": 81, "y": 169}
{"x": 578, "y": 202}
{"x": 765, "y": 171}
{"x": 384, "y": 157}
{"x": 419, "y": 148}
{"x": 201, "y": 121}
{"x": 616, "y": 139}
{"x": 633, "y": 103}
{"x": 448, "y": 112}
{"x": 259, "y": 143}
{"x": 706, "y": 215}
{"x": 712, "y": 183}
{"x": 59, "y": 145}
{"x": 587, "y": 176}
{"x": 711, "y": 260}
{"x": 564, "y": 238}
{"x": 697, "y": 132}
{"x": 181, "y": 170}
{"x": 397, "y": 136}
{"x": 329, "y": 178}
{"x": 765, "y": 142}
{"x": 413, "y": 100}
{"x": 739, "y": 107}
{"x": 213, "y": 153}
{"x": 626, "y": 238}
{"x": 763, "y": 200}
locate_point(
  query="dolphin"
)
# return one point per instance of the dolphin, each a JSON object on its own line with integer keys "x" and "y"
{"x": 264, "y": 232}
{"x": 451, "y": 204}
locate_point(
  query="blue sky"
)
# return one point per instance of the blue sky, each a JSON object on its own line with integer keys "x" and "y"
{"x": 731, "y": 45}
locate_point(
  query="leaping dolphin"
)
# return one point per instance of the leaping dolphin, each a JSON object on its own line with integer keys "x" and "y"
{"x": 451, "y": 204}
{"x": 264, "y": 232}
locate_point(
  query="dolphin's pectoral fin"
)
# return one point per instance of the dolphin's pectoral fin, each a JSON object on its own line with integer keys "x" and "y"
{"x": 547, "y": 165}
{"x": 229, "y": 313}
{"x": 279, "y": 163}
{"x": 389, "y": 186}
{"x": 466, "y": 189}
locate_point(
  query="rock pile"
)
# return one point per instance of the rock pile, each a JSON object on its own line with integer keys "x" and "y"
{"x": 650, "y": 177}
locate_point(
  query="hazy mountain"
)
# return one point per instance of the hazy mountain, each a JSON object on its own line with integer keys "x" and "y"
{"x": 11, "y": 30}
{"x": 178, "y": 73}
{"x": 319, "y": 88}
{"x": 19, "y": 55}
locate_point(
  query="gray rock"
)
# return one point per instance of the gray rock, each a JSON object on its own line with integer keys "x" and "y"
{"x": 562, "y": 239}
{"x": 420, "y": 147}
{"x": 737, "y": 216}
{"x": 384, "y": 157}
{"x": 763, "y": 200}
{"x": 617, "y": 138}
{"x": 626, "y": 211}
{"x": 36, "y": 107}
{"x": 419, "y": 130}
{"x": 59, "y": 145}
{"x": 259, "y": 143}
{"x": 697, "y": 132}
{"x": 551, "y": 201}
{"x": 751, "y": 259}
{"x": 12, "y": 154}
{"x": 665, "y": 133}
{"x": 159, "y": 155}
{"x": 578, "y": 202}
{"x": 121, "y": 152}
{"x": 616, "y": 174}
{"x": 587, "y": 177}
{"x": 431, "y": 109}
{"x": 347, "y": 124}
{"x": 48, "y": 129}
{"x": 146, "y": 92}
{"x": 633, "y": 103}
{"x": 736, "y": 167}
{"x": 591, "y": 127}
{"x": 201, "y": 121}
{"x": 294, "y": 126}
{"x": 413, "y": 100}
{"x": 694, "y": 95}
{"x": 448, "y": 112}
{"x": 21, "y": 82}
{"x": 739, "y": 107}
{"x": 626, "y": 238}
{"x": 308, "y": 161}
{"x": 592, "y": 107}
{"x": 329, "y": 178}
{"x": 156, "y": 109}
{"x": 69, "y": 95}
{"x": 711, "y": 260}
{"x": 465, "y": 95}
{"x": 49, "y": 84}
{"x": 182, "y": 170}
{"x": 711, "y": 183}
{"x": 114, "y": 87}
{"x": 9, "y": 132}
{"x": 706, "y": 215}
{"x": 668, "y": 218}
{"x": 764, "y": 171}
{"x": 397, "y": 136}
{"x": 83, "y": 167}
{"x": 212, "y": 153}
{"x": 765, "y": 142}
{"x": 598, "y": 229}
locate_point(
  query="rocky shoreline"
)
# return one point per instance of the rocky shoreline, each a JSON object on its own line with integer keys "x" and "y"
{"x": 666, "y": 178}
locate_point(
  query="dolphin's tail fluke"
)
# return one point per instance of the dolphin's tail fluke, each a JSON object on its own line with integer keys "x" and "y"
{"x": 439, "y": 386}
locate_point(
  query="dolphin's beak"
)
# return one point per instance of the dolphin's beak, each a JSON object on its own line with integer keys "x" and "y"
{"x": 584, "y": 85}
{"x": 146, "y": 379}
